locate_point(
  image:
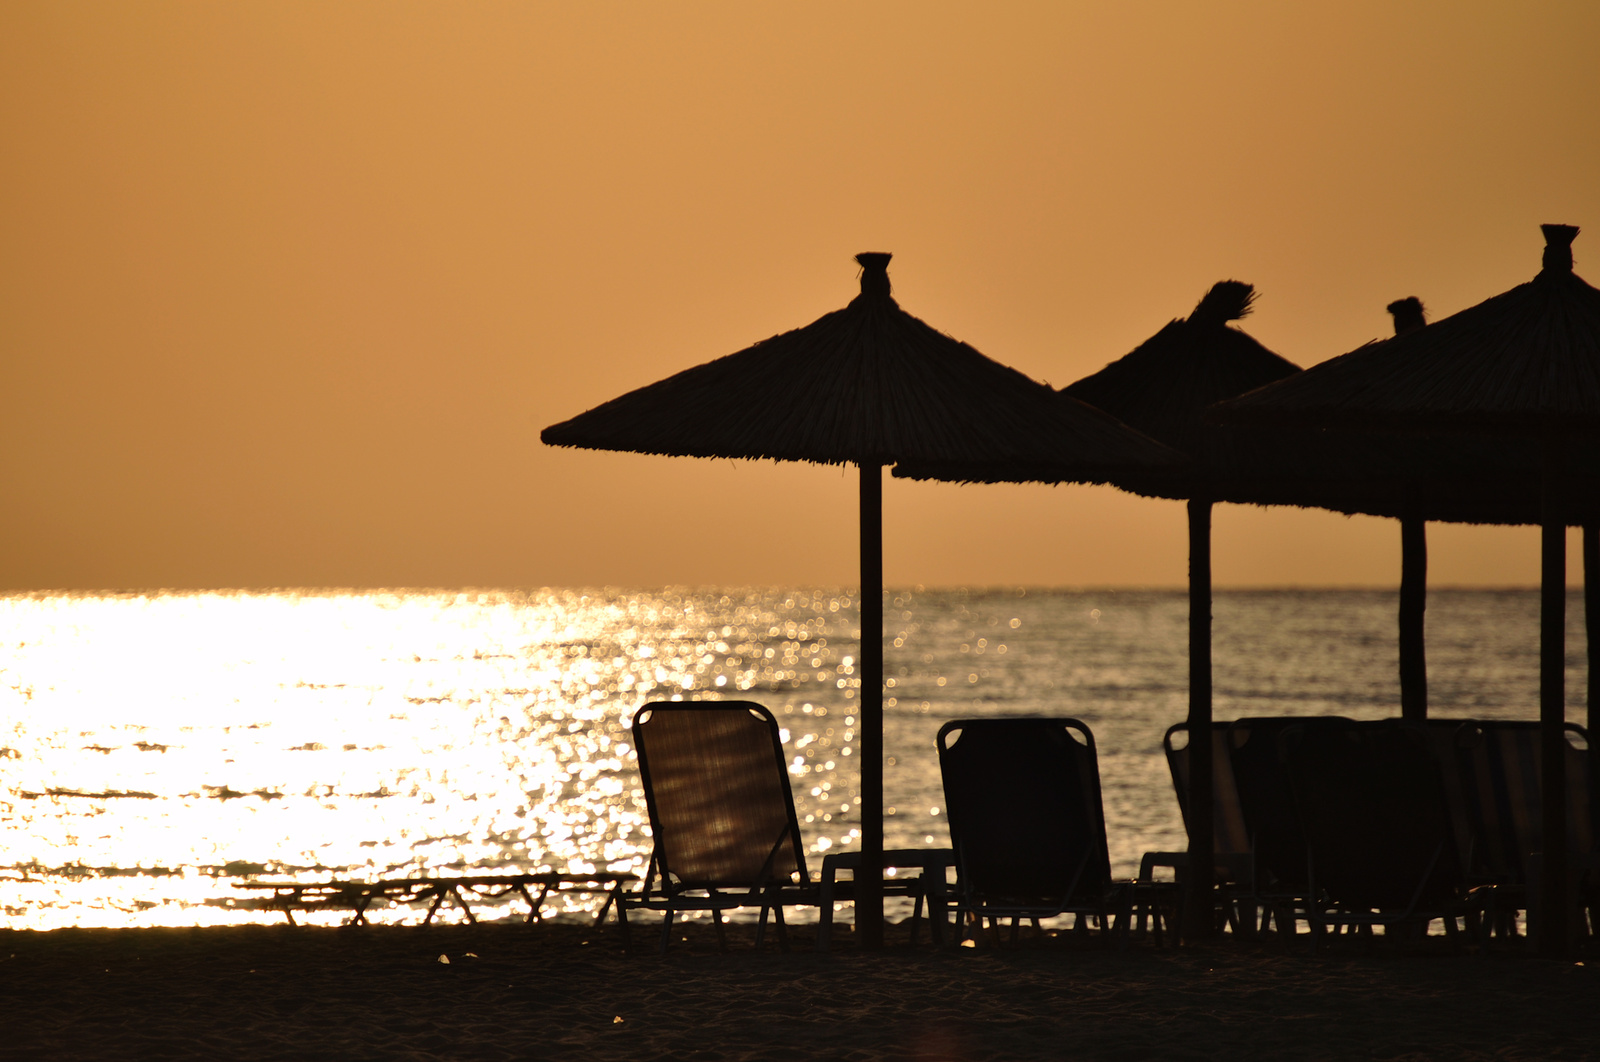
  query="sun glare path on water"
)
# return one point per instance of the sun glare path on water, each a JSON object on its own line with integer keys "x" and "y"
{"x": 157, "y": 749}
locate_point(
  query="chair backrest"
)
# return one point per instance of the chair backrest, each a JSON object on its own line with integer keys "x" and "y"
{"x": 1441, "y": 735}
{"x": 717, "y": 790}
{"x": 1501, "y": 777}
{"x": 1023, "y": 800}
{"x": 1266, "y": 798}
{"x": 1228, "y": 831}
{"x": 1376, "y": 819}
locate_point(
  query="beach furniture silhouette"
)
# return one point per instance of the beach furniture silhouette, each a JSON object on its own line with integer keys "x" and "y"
{"x": 873, "y": 386}
{"x": 1523, "y": 365}
{"x": 722, "y": 817}
{"x": 1267, "y": 804}
{"x": 462, "y": 890}
{"x": 1233, "y": 865}
{"x": 1501, "y": 778}
{"x": 1023, "y": 800}
{"x": 1380, "y": 844}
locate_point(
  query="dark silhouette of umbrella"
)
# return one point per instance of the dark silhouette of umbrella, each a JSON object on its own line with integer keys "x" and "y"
{"x": 1163, "y": 388}
{"x": 1523, "y": 365}
{"x": 868, "y": 385}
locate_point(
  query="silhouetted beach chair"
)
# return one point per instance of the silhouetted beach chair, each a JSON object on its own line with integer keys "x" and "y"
{"x": 1266, "y": 802}
{"x": 1023, "y": 799}
{"x": 1234, "y": 866}
{"x": 358, "y": 896}
{"x": 1380, "y": 844}
{"x": 1442, "y": 735}
{"x": 722, "y": 816}
{"x": 1500, "y": 778}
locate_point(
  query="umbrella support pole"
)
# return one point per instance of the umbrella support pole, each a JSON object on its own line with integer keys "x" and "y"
{"x": 1413, "y": 613}
{"x": 1552, "y": 928}
{"x": 1591, "y": 626}
{"x": 1199, "y": 921}
{"x": 869, "y": 743}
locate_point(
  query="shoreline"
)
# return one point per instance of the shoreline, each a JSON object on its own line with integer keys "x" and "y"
{"x": 554, "y": 991}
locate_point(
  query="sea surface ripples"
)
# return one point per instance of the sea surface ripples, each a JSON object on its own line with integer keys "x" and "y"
{"x": 156, "y": 749}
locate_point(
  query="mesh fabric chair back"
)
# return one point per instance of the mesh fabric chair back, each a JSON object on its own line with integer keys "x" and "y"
{"x": 1377, "y": 823}
{"x": 1229, "y": 835}
{"x": 718, "y": 794}
{"x": 1266, "y": 798}
{"x": 1501, "y": 779}
{"x": 1023, "y": 798}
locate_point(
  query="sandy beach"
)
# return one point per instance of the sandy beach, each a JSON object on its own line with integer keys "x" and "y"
{"x": 559, "y": 991}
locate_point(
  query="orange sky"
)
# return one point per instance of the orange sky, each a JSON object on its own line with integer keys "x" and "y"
{"x": 288, "y": 290}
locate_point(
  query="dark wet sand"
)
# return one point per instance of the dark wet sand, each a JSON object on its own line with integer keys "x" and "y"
{"x": 556, "y": 992}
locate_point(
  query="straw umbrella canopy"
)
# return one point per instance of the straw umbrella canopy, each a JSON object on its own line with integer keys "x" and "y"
{"x": 868, "y": 385}
{"x": 1523, "y": 365}
{"x": 1163, "y": 388}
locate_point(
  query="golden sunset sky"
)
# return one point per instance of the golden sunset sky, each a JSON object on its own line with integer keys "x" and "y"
{"x": 287, "y": 290}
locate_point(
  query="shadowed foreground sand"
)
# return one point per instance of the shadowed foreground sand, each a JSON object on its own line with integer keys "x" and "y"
{"x": 556, "y": 992}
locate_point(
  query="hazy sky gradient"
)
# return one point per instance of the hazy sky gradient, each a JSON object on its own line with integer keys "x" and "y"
{"x": 288, "y": 290}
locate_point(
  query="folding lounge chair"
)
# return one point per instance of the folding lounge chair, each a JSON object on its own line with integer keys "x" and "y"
{"x": 1501, "y": 781}
{"x": 722, "y": 816}
{"x": 1023, "y": 799}
{"x": 1266, "y": 801}
{"x": 1381, "y": 847}
{"x": 1234, "y": 866}
{"x": 1442, "y": 745}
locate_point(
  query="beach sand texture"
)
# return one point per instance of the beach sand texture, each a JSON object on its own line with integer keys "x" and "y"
{"x": 557, "y": 991}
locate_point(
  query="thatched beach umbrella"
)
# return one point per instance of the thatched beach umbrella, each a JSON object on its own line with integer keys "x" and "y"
{"x": 1523, "y": 366}
{"x": 1162, "y": 388}
{"x": 868, "y": 385}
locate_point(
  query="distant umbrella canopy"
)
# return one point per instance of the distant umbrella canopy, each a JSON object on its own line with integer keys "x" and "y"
{"x": 1521, "y": 363}
{"x": 1165, "y": 384}
{"x": 868, "y": 385}
{"x": 1162, "y": 388}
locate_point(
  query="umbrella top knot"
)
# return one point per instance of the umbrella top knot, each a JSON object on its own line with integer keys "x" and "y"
{"x": 874, "y": 272}
{"x": 1558, "y": 247}
{"x": 1409, "y": 314}
{"x": 1228, "y": 300}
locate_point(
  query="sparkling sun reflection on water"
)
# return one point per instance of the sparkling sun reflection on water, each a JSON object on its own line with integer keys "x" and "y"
{"x": 154, "y": 750}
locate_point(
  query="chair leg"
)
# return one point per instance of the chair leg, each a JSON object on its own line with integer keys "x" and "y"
{"x": 622, "y": 924}
{"x": 783, "y": 927}
{"x": 716, "y": 918}
{"x": 666, "y": 930}
{"x": 916, "y": 913}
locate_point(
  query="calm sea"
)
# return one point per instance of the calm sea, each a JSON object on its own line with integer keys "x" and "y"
{"x": 156, "y": 749}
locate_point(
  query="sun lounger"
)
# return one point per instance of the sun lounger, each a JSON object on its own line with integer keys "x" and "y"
{"x": 1266, "y": 801}
{"x": 722, "y": 817}
{"x": 359, "y": 896}
{"x": 1234, "y": 866}
{"x": 1500, "y": 779}
{"x": 1023, "y": 799}
{"x": 1380, "y": 844}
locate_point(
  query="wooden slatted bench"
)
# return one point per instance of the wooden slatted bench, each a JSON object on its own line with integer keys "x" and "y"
{"x": 358, "y": 896}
